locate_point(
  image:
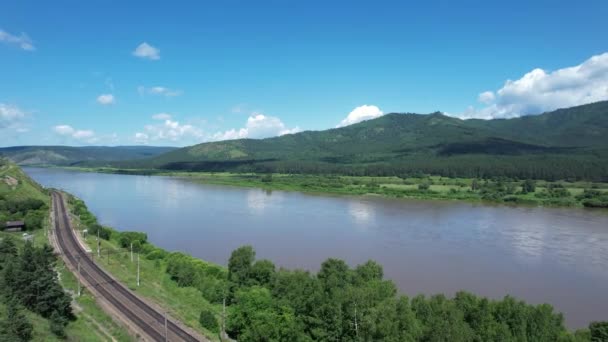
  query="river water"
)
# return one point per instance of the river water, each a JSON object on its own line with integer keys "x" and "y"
{"x": 553, "y": 255}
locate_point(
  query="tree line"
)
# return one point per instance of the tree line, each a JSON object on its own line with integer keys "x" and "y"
{"x": 28, "y": 281}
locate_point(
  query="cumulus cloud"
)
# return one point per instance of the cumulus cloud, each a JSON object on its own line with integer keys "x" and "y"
{"x": 147, "y": 51}
{"x": 168, "y": 130}
{"x": 105, "y": 99}
{"x": 83, "y": 135}
{"x": 22, "y": 41}
{"x": 539, "y": 91}
{"x": 141, "y": 138}
{"x": 160, "y": 91}
{"x": 359, "y": 114}
{"x": 258, "y": 126}
{"x": 486, "y": 97}
{"x": 11, "y": 116}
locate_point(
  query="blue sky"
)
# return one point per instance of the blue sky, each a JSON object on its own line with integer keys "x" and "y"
{"x": 79, "y": 73}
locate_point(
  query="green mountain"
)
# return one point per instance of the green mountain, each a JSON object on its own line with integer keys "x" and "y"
{"x": 567, "y": 143}
{"x": 70, "y": 156}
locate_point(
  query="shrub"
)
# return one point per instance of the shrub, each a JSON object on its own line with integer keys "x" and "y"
{"x": 424, "y": 186}
{"x": 208, "y": 321}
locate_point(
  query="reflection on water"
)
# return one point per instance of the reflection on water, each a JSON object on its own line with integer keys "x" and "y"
{"x": 258, "y": 200}
{"x": 559, "y": 256}
{"x": 361, "y": 212}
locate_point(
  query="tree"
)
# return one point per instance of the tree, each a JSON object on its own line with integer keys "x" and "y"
{"x": 598, "y": 331}
{"x": 334, "y": 275}
{"x": 474, "y": 185}
{"x": 528, "y": 186}
{"x": 239, "y": 265}
{"x": 208, "y": 321}
{"x": 369, "y": 271}
{"x": 16, "y": 326}
{"x": 262, "y": 272}
{"x": 8, "y": 250}
{"x": 57, "y": 324}
{"x": 254, "y": 317}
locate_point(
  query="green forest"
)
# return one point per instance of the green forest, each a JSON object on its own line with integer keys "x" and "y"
{"x": 566, "y": 144}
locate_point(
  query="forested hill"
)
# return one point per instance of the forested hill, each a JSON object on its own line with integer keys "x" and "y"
{"x": 568, "y": 143}
{"x": 70, "y": 156}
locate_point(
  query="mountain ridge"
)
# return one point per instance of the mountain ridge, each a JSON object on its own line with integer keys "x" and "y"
{"x": 563, "y": 143}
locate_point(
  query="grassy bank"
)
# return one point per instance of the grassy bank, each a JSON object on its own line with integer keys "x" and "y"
{"x": 156, "y": 285}
{"x": 524, "y": 192}
{"x": 21, "y": 198}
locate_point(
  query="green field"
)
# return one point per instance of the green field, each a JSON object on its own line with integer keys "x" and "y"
{"x": 497, "y": 190}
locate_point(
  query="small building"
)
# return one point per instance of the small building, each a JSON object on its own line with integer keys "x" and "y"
{"x": 14, "y": 226}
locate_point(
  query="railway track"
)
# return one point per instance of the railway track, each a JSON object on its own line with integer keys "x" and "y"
{"x": 141, "y": 315}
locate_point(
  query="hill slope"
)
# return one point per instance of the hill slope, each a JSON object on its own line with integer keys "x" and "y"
{"x": 566, "y": 143}
{"x": 67, "y": 155}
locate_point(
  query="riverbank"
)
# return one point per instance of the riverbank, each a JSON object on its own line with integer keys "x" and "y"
{"x": 279, "y": 302}
{"x": 513, "y": 192}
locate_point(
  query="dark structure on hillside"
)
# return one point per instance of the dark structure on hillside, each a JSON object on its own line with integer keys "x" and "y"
{"x": 14, "y": 226}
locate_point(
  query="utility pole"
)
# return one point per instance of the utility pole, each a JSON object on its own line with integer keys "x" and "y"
{"x": 98, "y": 253}
{"x": 223, "y": 318}
{"x": 166, "y": 330}
{"x": 79, "y": 286}
{"x": 137, "y": 269}
{"x": 131, "y": 251}
{"x": 356, "y": 323}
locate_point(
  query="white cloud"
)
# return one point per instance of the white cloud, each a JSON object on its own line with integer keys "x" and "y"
{"x": 63, "y": 129}
{"x": 164, "y": 91}
{"x": 161, "y": 116}
{"x": 539, "y": 91}
{"x": 23, "y": 41}
{"x": 105, "y": 99}
{"x": 84, "y": 135}
{"x": 486, "y": 97}
{"x": 258, "y": 126}
{"x": 169, "y": 130}
{"x": 147, "y": 51}
{"x": 10, "y": 116}
{"x": 141, "y": 138}
{"x": 359, "y": 114}
{"x": 159, "y": 91}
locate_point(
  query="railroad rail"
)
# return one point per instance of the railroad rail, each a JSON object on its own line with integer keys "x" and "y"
{"x": 145, "y": 318}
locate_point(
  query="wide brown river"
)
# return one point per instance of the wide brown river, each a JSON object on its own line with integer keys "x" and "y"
{"x": 557, "y": 256}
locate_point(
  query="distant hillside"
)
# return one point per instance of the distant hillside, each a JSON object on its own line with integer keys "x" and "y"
{"x": 70, "y": 156}
{"x": 566, "y": 143}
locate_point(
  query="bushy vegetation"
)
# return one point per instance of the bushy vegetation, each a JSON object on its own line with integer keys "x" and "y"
{"x": 31, "y": 211}
{"x": 593, "y": 198}
{"x": 28, "y": 281}
{"x": 343, "y": 304}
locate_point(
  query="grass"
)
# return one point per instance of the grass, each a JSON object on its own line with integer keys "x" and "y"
{"x": 91, "y": 324}
{"x": 182, "y": 303}
{"x": 441, "y": 188}
{"x": 24, "y": 189}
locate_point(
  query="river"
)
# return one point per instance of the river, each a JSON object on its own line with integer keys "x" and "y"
{"x": 542, "y": 255}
